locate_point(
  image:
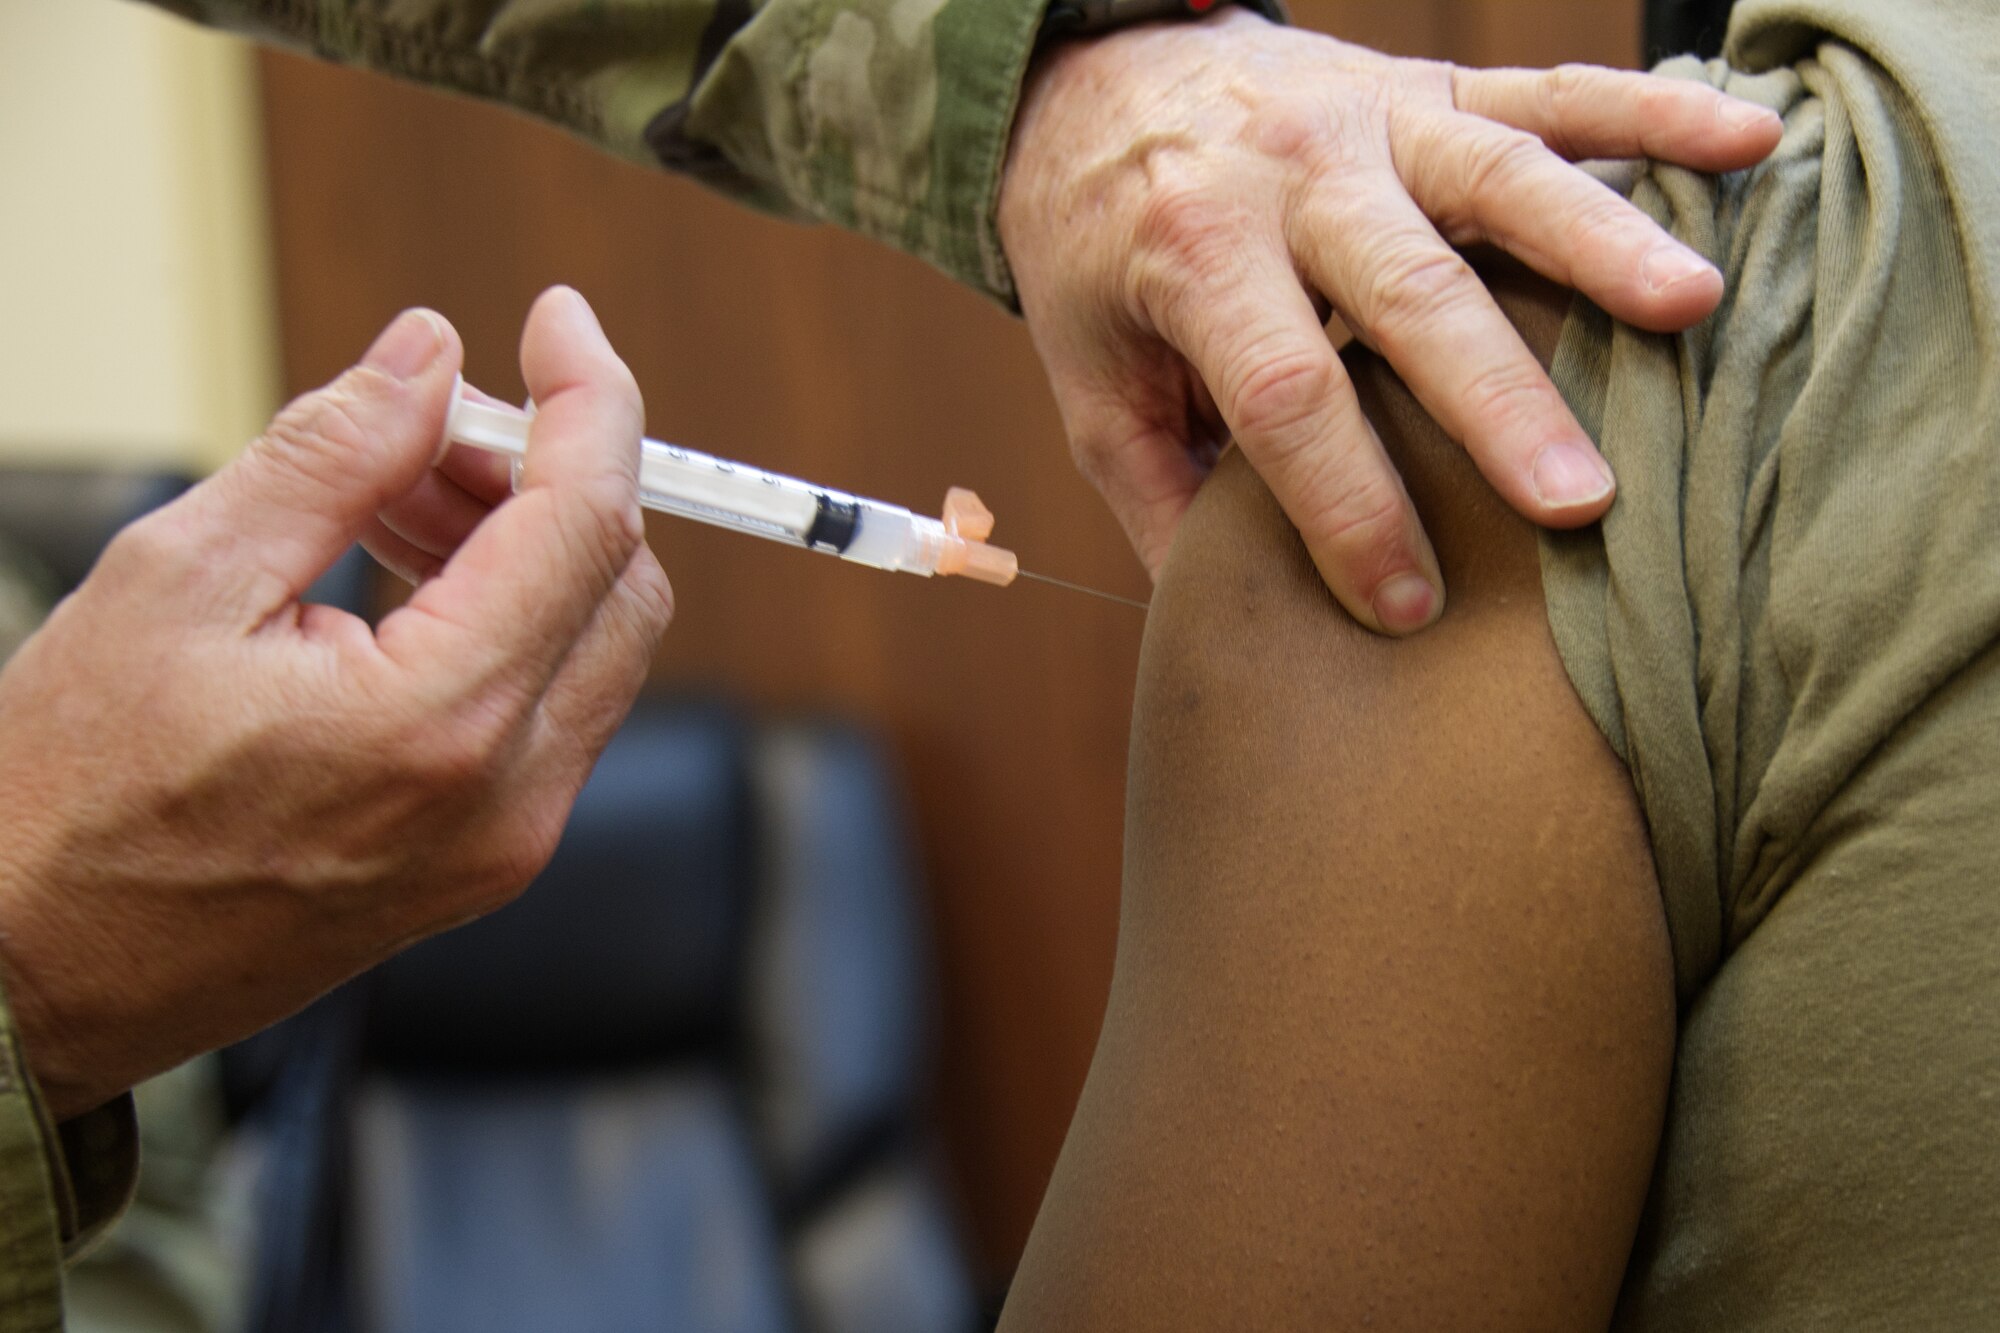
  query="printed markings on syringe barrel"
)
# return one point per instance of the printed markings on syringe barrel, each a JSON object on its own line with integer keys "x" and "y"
{"x": 721, "y": 518}
{"x": 835, "y": 520}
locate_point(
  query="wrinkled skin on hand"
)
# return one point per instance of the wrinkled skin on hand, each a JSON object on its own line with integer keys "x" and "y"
{"x": 1184, "y": 203}
{"x": 217, "y": 802}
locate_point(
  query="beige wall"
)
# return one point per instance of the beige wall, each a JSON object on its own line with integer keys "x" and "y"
{"x": 135, "y": 310}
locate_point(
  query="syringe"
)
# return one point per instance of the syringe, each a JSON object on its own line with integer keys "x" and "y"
{"x": 745, "y": 499}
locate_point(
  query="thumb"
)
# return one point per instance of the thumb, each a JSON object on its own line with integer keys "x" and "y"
{"x": 304, "y": 490}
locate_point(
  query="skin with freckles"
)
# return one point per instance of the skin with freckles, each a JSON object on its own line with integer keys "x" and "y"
{"x": 1389, "y": 1037}
{"x": 1183, "y": 204}
{"x": 217, "y": 801}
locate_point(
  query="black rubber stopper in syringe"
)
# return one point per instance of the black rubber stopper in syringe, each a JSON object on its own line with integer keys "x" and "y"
{"x": 835, "y": 524}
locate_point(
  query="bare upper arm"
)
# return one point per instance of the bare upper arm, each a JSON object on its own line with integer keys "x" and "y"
{"x": 1392, "y": 1020}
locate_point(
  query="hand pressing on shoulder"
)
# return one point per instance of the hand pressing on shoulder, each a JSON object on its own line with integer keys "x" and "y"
{"x": 216, "y": 801}
{"x": 1184, "y": 203}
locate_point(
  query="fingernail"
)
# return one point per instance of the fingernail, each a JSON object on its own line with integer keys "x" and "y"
{"x": 408, "y": 347}
{"x": 1569, "y": 475}
{"x": 1739, "y": 115}
{"x": 1406, "y": 603}
{"x": 1670, "y": 266}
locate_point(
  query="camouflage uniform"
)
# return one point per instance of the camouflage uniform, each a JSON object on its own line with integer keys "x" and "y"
{"x": 58, "y": 1189}
{"x": 888, "y": 117}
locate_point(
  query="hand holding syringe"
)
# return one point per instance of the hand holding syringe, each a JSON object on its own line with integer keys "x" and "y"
{"x": 764, "y": 504}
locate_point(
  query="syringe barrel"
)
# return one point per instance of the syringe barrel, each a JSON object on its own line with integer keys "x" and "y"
{"x": 691, "y": 484}
{"x": 731, "y": 495}
{"x": 891, "y": 537}
{"x": 695, "y": 485}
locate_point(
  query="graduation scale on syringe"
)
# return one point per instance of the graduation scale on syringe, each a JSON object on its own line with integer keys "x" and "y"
{"x": 681, "y": 481}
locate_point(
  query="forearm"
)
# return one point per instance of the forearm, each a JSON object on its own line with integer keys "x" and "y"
{"x": 888, "y": 118}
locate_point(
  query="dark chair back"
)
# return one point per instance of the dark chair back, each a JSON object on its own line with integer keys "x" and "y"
{"x": 676, "y": 1086}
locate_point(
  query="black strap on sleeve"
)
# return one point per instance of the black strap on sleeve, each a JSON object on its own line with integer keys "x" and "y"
{"x": 1069, "y": 18}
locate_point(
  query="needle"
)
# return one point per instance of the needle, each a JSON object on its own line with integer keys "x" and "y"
{"x": 1078, "y": 587}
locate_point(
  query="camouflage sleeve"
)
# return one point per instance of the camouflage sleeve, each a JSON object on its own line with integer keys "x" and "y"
{"x": 889, "y": 117}
{"x": 61, "y": 1186}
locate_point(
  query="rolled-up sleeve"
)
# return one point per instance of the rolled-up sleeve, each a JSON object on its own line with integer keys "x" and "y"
{"x": 888, "y": 117}
{"x": 61, "y": 1186}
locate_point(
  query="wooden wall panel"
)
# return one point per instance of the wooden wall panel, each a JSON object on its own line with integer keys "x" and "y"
{"x": 810, "y": 352}
{"x": 1542, "y": 32}
{"x": 1484, "y": 32}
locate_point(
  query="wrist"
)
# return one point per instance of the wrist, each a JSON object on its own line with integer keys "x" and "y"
{"x": 54, "y": 998}
{"x": 38, "y": 1033}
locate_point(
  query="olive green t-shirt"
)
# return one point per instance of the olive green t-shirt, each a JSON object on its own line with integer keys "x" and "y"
{"x": 1786, "y": 626}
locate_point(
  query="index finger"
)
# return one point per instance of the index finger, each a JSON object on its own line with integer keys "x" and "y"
{"x": 518, "y": 593}
{"x": 1258, "y": 345}
{"x": 1422, "y": 306}
{"x": 1583, "y": 111}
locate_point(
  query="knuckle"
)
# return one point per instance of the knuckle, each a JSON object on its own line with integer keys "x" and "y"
{"x": 447, "y": 764}
{"x": 1567, "y": 91}
{"x": 1362, "y": 518}
{"x": 1290, "y": 126}
{"x": 1503, "y": 398}
{"x": 1178, "y": 216}
{"x": 1184, "y": 241}
{"x": 325, "y": 430}
{"x": 517, "y": 859}
{"x": 605, "y": 531}
{"x": 1498, "y": 163}
{"x": 1603, "y": 213}
{"x": 1579, "y": 102}
{"x": 597, "y": 528}
{"x": 655, "y": 593}
{"x": 638, "y": 613}
{"x": 1605, "y": 222}
{"x": 1414, "y": 287}
{"x": 322, "y": 417}
{"x": 148, "y": 548}
{"x": 621, "y": 525}
{"x": 1436, "y": 82}
{"x": 460, "y": 753}
{"x": 1654, "y": 101}
{"x": 1280, "y": 392}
